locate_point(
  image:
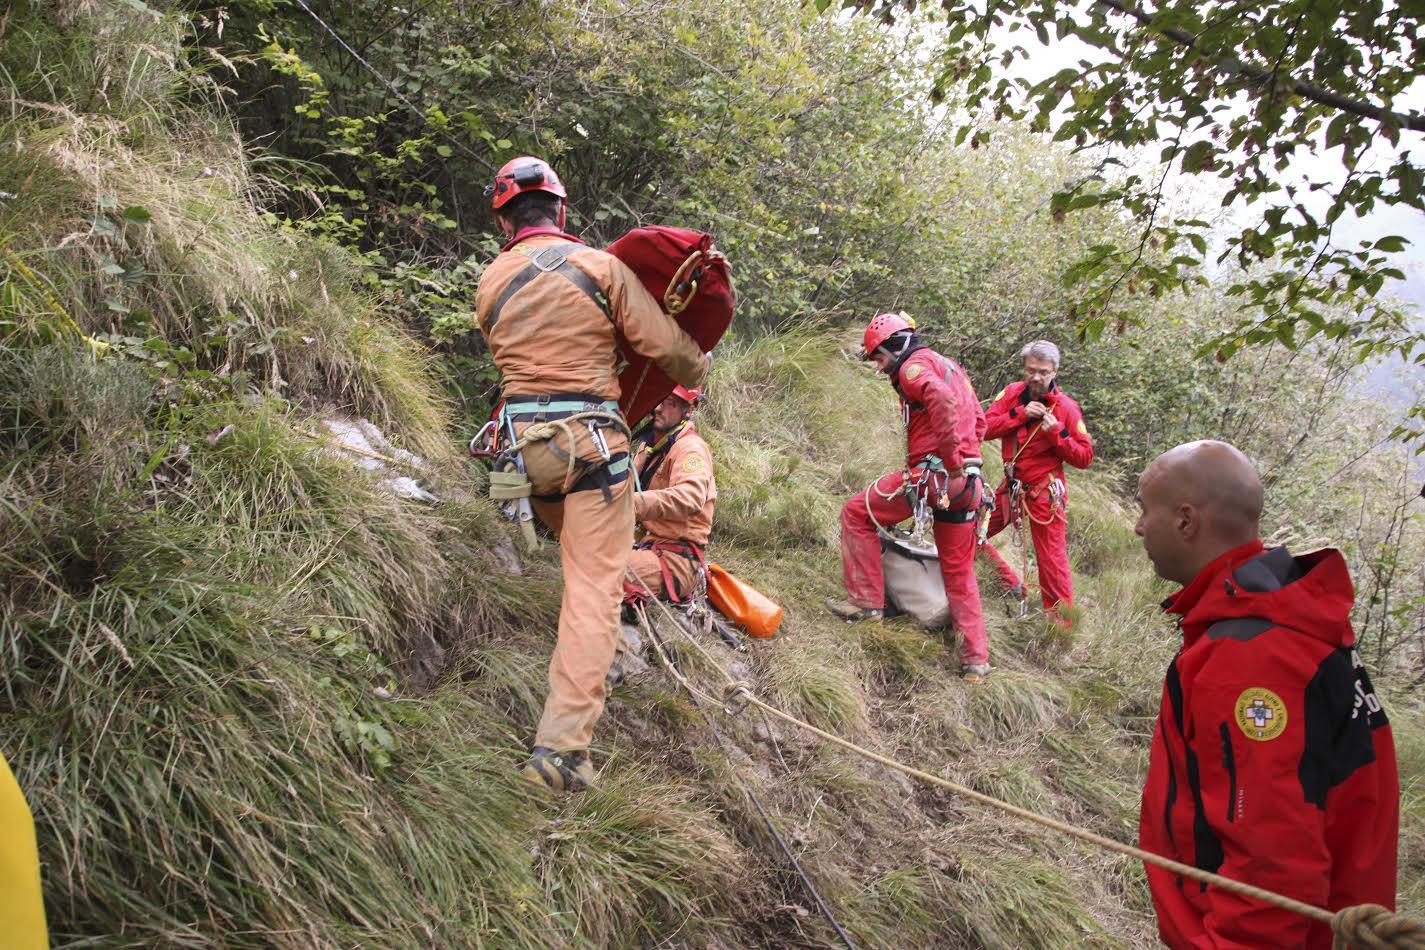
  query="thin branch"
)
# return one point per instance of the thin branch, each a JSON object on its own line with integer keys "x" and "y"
{"x": 1415, "y": 121}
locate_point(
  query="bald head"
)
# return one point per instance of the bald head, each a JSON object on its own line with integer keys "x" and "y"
{"x": 1199, "y": 501}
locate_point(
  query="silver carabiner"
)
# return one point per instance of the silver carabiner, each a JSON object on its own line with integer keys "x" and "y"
{"x": 482, "y": 445}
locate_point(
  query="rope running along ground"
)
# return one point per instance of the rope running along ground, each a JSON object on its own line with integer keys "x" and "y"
{"x": 747, "y": 790}
{"x": 1363, "y": 925}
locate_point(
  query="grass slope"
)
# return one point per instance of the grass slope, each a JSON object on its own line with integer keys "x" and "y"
{"x": 254, "y": 700}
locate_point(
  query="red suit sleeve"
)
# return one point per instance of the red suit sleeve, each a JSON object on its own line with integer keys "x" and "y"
{"x": 942, "y": 408}
{"x": 998, "y": 422}
{"x": 1070, "y": 438}
{"x": 1252, "y": 801}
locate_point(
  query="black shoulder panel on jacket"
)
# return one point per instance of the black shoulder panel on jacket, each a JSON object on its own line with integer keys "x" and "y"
{"x": 1341, "y": 712}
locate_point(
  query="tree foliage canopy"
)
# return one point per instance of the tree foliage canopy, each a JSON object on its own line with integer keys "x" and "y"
{"x": 1238, "y": 92}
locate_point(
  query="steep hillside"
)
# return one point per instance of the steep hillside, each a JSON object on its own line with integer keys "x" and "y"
{"x": 256, "y": 699}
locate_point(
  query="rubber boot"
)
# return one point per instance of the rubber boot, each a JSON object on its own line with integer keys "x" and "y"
{"x": 559, "y": 771}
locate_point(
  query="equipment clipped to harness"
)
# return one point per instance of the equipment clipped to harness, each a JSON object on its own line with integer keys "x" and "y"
{"x": 987, "y": 511}
{"x": 508, "y": 483}
{"x": 934, "y": 484}
{"x": 1016, "y": 502}
{"x": 1057, "y": 492}
{"x": 546, "y": 419}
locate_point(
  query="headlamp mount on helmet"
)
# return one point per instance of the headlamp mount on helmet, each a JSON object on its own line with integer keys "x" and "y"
{"x": 520, "y": 175}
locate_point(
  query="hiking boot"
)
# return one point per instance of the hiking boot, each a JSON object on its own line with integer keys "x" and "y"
{"x": 975, "y": 672}
{"x": 559, "y": 771}
{"x": 852, "y": 613}
{"x": 1018, "y": 605}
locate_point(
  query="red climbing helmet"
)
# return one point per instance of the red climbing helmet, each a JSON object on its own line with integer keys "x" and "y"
{"x": 880, "y": 329}
{"x": 693, "y": 397}
{"x": 521, "y": 175}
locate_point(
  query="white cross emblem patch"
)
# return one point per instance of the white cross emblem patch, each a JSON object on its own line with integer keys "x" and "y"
{"x": 1261, "y": 713}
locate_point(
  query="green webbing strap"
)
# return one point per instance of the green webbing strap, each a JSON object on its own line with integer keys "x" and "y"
{"x": 514, "y": 486}
{"x": 509, "y": 485}
{"x": 932, "y": 462}
{"x": 561, "y": 405}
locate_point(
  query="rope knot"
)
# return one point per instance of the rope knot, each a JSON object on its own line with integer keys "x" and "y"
{"x": 1376, "y": 927}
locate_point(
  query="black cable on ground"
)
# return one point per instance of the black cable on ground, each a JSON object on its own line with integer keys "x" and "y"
{"x": 766, "y": 818}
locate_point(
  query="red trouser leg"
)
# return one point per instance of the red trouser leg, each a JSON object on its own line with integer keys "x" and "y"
{"x": 956, "y": 545}
{"x": 998, "y": 520}
{"x": 860, "y": 545}
{"x": 1051, "y": 551}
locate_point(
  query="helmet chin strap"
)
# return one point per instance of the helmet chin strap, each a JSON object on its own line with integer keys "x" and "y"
{"x": 562, "y": 207}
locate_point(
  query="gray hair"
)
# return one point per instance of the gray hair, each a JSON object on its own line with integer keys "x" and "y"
{"x": 1041, "y": 350}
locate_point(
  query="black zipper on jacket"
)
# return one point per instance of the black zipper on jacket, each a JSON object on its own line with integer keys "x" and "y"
{"x": 1229, "y": 762}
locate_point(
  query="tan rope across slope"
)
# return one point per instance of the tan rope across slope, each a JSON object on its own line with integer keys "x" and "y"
{"x": 1364, "y": 925}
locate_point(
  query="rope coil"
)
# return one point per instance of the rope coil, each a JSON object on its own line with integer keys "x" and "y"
{"x": 547, "y": 430}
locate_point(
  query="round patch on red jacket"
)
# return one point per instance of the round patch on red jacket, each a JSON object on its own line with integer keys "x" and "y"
{"x": 1261, "y": 714}
{"x": 692, "y": 464}
{"x": 912, "y": 371}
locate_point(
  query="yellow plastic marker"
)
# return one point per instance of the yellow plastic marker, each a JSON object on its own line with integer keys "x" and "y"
{"x": 22, "y": 907}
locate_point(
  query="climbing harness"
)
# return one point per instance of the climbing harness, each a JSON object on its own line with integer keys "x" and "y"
{"x": 549, "y": 259}
{"x": 545, "y": 419}
{"x": 687, "y": 550}
{"x": 1364, "y": 925}
{"x": 1016, "y": 492}
{"x": 926, "y": 487}
{"x": 648, "y": 464}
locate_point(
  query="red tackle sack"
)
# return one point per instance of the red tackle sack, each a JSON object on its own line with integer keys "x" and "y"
{"x": 691, "y": 281}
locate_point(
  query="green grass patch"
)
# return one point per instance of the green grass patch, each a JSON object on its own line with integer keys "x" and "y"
{"x": 1011, "y": 704}
{"x": 1005, "y": 899}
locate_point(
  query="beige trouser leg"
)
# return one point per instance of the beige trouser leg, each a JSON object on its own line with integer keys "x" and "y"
{"x": 643, "y": 565}
{"x": 594, "y": 539}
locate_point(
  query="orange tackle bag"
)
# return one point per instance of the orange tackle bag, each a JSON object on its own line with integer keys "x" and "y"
{"x": 743, "y": 604}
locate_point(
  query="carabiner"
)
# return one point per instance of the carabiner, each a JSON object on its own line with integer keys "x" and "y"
{"x": 485, "y": 438}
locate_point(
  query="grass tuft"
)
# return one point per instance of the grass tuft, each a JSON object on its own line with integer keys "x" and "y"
{"x": 1011, "y": 704}
{"x": 1005, "y": 899}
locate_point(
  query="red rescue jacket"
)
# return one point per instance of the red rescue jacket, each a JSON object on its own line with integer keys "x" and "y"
{"x": 1272, "y": 760}
{"x": 942, "y": 413}
{"x": 1043, "y": 457}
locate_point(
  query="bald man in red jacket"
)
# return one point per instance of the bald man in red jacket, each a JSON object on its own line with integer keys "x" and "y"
{"x": 1272, "y": 759}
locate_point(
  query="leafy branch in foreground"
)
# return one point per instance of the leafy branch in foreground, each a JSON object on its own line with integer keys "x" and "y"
{"x": 1239, "y": 92}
